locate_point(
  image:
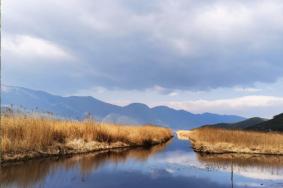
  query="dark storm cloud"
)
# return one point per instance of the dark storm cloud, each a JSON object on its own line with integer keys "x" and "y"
{"x": 181, "y": 44}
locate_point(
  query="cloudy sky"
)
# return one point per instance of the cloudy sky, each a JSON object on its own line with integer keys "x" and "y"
{"x": 204, "y": 55}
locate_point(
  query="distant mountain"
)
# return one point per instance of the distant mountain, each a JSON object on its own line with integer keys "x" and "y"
{"x": 275, "y": 124}
{"x": 239, "y": 125}
{"x": 68, "y": 107}
{"x": 76, "y": 107}
{"x": 256, "y": 124}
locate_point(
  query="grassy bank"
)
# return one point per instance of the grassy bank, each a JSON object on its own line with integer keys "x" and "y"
{"x": 33, "y": 137}
{"x": 217, "y": 140}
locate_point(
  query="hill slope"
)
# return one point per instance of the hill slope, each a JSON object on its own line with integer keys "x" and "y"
{"x": 256, "y": 124}
{"x": 239, "y": 125}
{"x": 76, "y": 107}
{"x": 275, "y": 124}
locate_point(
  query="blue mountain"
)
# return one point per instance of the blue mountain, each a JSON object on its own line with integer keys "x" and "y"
{"x": 78, "y": 107}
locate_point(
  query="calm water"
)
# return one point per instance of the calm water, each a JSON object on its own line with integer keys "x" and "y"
{"x": 170, "y": 165}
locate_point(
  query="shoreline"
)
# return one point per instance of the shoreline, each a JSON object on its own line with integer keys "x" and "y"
{"x": 222, "y": 147}
{"x": 66, "y": 151}
{"x": 28, "y": 137}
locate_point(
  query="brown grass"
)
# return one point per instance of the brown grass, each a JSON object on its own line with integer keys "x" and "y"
{"x": 217, "y": 140}
{"x": 22, "y": 134}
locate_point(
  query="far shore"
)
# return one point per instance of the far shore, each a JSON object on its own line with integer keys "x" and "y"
{"x": 220, "y": 141}
{"x": 25, "y": 138}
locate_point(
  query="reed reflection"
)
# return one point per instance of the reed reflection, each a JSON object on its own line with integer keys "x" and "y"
{"x": 242, "y": 160}
{"x": 268, "y": 167}
{"x": 33, "y": 173}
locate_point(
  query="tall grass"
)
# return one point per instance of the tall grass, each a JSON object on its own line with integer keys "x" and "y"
{"x": 239, "y": 137}
{"x": 20, "y": 133}
{"x": 236, "y": 140}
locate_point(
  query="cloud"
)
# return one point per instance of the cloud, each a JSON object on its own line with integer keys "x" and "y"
{"x": 161, "y": 90}
{"x": 28, "y": 46}
{"x": 267, "y": 106}
{"x": 172, "y": 94}
{"x": 133, "y": 45}
{"x": 241, "y": 102}
{"x": 247, "y": 89}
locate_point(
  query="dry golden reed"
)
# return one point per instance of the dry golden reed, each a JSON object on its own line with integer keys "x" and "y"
{"x": 247, "y": 138}
{"x": 217, "y": 140}
{"x": 21, "y": 133}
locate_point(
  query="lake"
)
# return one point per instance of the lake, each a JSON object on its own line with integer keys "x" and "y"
{"x": 173, "y": 164}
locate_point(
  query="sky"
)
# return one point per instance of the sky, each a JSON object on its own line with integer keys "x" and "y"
{"x": 214, "y": 56}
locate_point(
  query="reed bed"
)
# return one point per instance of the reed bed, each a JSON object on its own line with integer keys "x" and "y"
{"x": 21, "y": 134}
{"x": 217, "y": 140}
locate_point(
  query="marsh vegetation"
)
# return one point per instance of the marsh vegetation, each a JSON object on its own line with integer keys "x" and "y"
{"x": 218, "y": 140}
{"x": 25, "y": 137}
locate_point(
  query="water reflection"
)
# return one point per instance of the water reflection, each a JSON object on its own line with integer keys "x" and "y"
{"x": 242, "y": 160}
{"x": 231, "y": 169}
{"x": 176, "y": 166}
{"x": 32, "y": 173}
{"x": 265, "y": 167}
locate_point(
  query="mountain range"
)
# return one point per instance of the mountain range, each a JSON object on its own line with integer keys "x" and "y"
{"x": 254, "y": 124}
{"x": 78, "y": 107}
